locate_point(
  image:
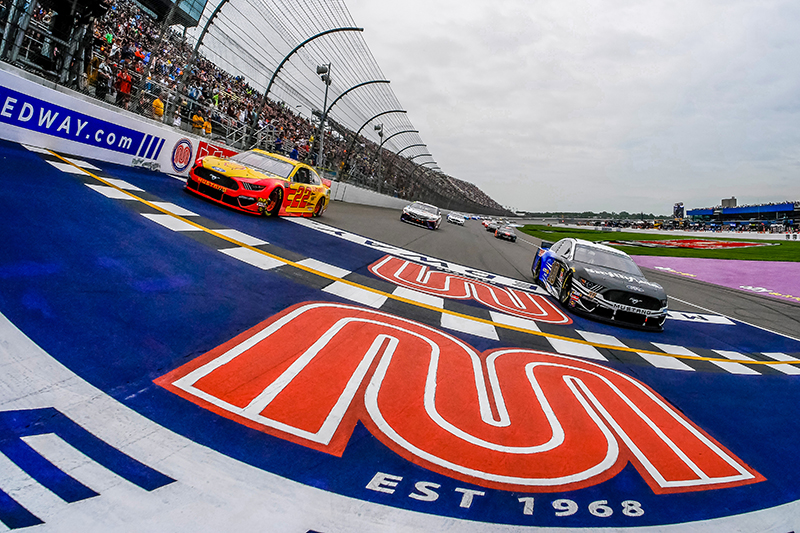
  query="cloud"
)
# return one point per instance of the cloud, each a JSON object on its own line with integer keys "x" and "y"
{"x": 588, "y": 105}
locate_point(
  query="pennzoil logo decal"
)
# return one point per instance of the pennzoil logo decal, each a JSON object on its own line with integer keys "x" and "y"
{"x": 510, "y": 419}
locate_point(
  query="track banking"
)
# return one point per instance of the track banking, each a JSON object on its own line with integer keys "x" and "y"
{"x": 25, "y": 111}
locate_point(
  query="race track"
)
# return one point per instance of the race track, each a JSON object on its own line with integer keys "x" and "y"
{"x": 171, "y": 365}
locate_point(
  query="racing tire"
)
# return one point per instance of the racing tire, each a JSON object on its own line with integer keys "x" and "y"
{"x": 274, "y": 203}
{"x": 566, "y": 288}
{"x": 319, "y": 207}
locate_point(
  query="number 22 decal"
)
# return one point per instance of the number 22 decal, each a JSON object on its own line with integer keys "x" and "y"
{"x": 301, "y": 198}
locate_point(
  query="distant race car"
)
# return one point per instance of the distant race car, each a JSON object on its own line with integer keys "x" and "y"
{"x": 492, "y": 225}
{"x": 456, "y": 218}
{"x": 422, "y": 214}
{"x": 600, "y": 281}
{"x": 260, "y": 183}
{"x": 506, "y": 232}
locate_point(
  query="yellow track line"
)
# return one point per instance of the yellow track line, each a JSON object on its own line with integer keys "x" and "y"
{"x": 414, "y": 302}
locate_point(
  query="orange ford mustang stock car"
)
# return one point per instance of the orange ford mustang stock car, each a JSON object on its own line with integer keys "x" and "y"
{"x": 260, "y": 183}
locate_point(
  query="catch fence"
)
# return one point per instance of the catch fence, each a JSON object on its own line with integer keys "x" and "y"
{"x": 123, "y": 57}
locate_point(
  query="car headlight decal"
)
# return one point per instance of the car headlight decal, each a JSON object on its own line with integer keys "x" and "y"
{"x": 592, "y": 286}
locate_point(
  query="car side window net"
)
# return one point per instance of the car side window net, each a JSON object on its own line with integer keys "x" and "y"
{"x": 301, "y": 176}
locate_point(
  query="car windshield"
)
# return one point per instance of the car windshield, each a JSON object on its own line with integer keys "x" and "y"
{"x": 264, "y": 163}
{"x": 425, "y": 207}
{"x": 604, "y": 258}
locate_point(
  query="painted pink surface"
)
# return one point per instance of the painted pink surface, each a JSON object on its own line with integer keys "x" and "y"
{"x": 771, "y": 278}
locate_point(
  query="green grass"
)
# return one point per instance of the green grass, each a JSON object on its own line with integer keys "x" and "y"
{"x": 783, "y": 251}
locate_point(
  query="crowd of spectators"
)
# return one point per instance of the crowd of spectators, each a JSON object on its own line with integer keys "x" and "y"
{"x": 131, "y": 66}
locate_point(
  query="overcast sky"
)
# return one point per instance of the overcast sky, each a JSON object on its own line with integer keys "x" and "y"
{"x": 587, "y": 105}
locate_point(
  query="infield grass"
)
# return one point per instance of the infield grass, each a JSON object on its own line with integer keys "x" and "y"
{"x": 777, "y": 251}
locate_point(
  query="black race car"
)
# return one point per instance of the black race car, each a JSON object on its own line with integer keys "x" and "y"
{"x": 506, "y": 232}
{"x": 600, "y": 281}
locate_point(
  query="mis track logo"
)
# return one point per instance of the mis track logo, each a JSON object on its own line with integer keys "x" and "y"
{"x": 509, "y": 419}
{"x": 182, "y": 155}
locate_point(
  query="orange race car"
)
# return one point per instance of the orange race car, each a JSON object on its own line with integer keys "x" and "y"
{"x": 260, "y": 182}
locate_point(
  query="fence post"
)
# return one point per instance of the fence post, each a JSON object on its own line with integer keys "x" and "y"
{"x": 22, "y": 27}
{"x": 7, "y": 30}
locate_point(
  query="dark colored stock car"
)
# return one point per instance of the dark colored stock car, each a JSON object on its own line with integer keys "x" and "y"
{"x": 600, "y": 282}
{"x": 506, "y": 232}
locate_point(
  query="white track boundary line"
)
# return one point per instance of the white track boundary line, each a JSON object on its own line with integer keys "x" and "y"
{"x": 734, "y": 319}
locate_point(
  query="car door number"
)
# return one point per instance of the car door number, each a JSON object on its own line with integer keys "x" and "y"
{"x": 301, "y": 197}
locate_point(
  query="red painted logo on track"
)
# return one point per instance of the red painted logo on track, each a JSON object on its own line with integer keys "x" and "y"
{"x": 511, "y": 419}
{"x": 446, "y": 285}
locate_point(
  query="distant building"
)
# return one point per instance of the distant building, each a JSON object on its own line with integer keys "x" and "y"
{"x": 729, "y": 202}
{"x": 786, "y": 213}
{"x": 187, "y": 14}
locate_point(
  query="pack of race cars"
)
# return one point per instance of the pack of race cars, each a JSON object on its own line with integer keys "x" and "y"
{"x": 585, "y": 277}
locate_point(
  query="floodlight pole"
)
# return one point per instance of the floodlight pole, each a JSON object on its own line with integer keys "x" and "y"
{"x": 327, "y": 110}
{"x": 349, "y": 151}
{"x": 325, "y": 72}
{"x": 380, "y": 149}
{"x": 254, "y": 124}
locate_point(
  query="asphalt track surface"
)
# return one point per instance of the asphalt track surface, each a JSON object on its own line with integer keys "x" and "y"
{"x": 143, "y": 330}
{"x": 473, "y": 246}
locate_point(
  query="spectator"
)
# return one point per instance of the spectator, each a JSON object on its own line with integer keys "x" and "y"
{"x": 131, "y": 34}
{"x": 207, "y": 128}
{"x": 158, "y": 108}
{"x": 103, "y": 82}
{"x": 198, "y": 122}
{"x": 123, "y": 86}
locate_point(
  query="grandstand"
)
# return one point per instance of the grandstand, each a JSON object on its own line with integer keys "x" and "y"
{"x": 119, "y": 54}
{"x": 753, "y": 217}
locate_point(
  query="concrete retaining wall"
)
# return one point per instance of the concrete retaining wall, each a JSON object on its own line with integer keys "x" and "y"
{"x": 345, "y": 192}
{"x": 38, "y": 113}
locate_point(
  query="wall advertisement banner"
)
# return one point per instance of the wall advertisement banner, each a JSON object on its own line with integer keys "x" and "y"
{"x": 36, "y": 115}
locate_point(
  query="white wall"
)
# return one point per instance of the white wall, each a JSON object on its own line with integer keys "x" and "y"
{"x": 62, "y": 120}
{"x": 345, "y": 192}
{"x": 39, "y": 113}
